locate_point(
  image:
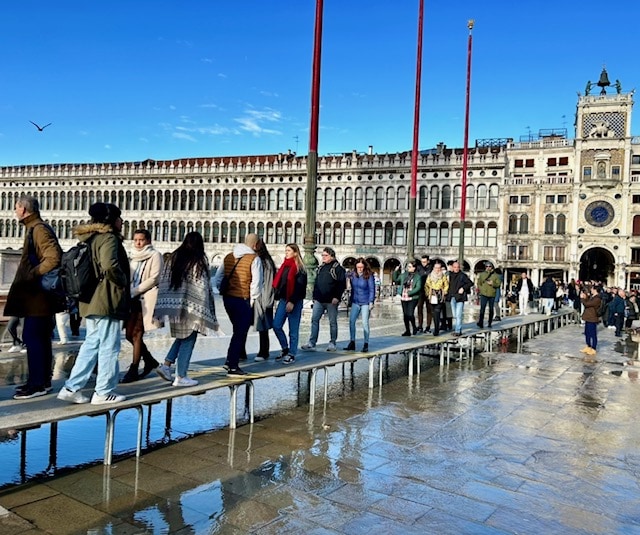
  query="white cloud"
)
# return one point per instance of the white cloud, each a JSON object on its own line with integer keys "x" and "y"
{"x": 108, "y": 147}
{"x": 222, "y": 75}
{"x": 254, "y": 119}
{"x": 184, "y": 135}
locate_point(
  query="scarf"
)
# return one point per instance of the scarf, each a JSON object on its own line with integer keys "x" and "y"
{"x": 290, "y": 264}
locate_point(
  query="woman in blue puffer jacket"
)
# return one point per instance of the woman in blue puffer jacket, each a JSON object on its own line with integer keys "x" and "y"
{"x": 363, "y": 292}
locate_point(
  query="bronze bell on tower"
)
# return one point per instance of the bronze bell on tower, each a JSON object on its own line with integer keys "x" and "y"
{"x": 604, "y": 81}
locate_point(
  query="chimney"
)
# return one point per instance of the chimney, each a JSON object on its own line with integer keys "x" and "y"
{"x": 370, "y": 152}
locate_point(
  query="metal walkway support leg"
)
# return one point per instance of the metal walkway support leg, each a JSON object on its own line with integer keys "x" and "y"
{"x": 233, "y": 405}
{"x": 110, "y": 432}
{"x": 233, "y": 402}
{"x": 312, "y": 384}
{"x": 372, "y": 363}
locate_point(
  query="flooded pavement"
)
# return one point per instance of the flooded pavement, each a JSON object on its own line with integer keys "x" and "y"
{"x": 540, "y": 442}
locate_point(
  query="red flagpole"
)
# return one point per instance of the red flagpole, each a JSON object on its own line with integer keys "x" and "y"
{"x": 416, "y": 131}
{"x": 465, "y": 153}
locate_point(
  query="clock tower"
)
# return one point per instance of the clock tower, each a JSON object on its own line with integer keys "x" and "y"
{"x": 602, "y": 176}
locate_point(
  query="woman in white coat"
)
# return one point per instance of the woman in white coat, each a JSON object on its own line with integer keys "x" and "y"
{"x": 146, "y": 266}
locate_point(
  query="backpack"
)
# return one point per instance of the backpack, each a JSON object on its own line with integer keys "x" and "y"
{"x": 602, "y": 309}
{"x": 79, "y": 277}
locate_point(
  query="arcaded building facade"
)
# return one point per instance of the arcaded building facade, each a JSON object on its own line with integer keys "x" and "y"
{"x": 546, "y": 205}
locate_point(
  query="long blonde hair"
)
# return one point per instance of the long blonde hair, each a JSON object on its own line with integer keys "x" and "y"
{"x": 297, "y": 257}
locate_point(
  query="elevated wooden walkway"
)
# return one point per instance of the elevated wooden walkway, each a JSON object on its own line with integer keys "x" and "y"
{"x": 24, "y": 415}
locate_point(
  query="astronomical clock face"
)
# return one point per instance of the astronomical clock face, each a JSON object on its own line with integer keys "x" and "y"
{"x": 599, "y": 213}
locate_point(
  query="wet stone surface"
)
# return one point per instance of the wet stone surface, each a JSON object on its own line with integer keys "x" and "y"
{"x": 545, "y": 441}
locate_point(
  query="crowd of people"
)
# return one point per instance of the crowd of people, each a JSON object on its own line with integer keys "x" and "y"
{"x": 141, "y": 291}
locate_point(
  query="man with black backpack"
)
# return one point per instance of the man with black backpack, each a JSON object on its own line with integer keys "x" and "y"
{"x": 330, "y": 284}
{"x": 27, "y": 299}
{"x": 103, "y": 311}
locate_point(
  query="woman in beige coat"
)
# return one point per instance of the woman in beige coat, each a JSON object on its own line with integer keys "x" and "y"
{"x": 146, "y": 266}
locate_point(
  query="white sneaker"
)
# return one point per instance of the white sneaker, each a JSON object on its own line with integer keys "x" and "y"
{"x": 97, "y": 399}
{"x": 15, "y": 349}
{"x": 165, "y": 372}
{"x": 73, "y": 397}
{"x": 309, "y": 347}
{"x": 184, "y": 381}
{"x": 331, "y": 347}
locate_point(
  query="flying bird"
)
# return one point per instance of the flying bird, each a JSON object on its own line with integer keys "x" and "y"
{"x": 40, "y": 128}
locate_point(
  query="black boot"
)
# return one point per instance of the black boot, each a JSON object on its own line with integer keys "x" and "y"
{"x": 131, "y": 376}
{"x": 150, "y": 364}
{"x": 365, "y": 348}
{"x": 351, "y": 346}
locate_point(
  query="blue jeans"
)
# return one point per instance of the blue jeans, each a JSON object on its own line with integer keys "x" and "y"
{"x": 101, "y": 346}
{"x": 357, "y": 310}
{"x": 318, "y": 311}
{"x": 36, "y": 335}
{"x": 457, "y": 307}
{"x": 484, "y": 301}
{"x": 591, "y": 334}
{"x": 294, "y": 325}
{"x": 181, "y": 350}
{"x": 241, "y": 316}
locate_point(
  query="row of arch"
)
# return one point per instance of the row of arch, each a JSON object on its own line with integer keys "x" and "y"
{"x": 394, "y": 234}
{"x": 478, "y": 197}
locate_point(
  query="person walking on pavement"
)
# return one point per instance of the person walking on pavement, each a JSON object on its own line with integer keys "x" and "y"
{"x": 548, "y": 295}
{"x": 329, "y": 286}
{"x": 185, "y": 296}
{"x": 17, "y": 345}
{"x": 290, "y": 285}
{"x": 487, "y": 283}
{"x": 409, "y": 288}
{"x": 524, "y": 289}
{"x": 41, "y": 253}
{"x": 108, "y": 308}
{"x": 436, "y": 289}
{"x": 263, "y": 305}
{"x": 591, "y": 301}
{"x": 616, "y": 308}
{"x": 362, "y": 297}
{"x": 459, "y": 287}
{"x": 145, "y": 267}
{"x": 242, "y": 274}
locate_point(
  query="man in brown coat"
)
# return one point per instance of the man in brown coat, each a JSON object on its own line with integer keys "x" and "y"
{"x": 41, "y": 253}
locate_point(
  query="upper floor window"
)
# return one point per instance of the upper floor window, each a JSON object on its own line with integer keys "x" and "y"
{"x": 586, "y": 172}
{"x": 635, "y": 158}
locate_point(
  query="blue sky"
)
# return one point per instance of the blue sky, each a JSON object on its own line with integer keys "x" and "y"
{"x": 130, "y": 80}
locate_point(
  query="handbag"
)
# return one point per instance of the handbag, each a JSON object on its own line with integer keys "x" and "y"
{"x": 52, "y": 281}
{"x": 225, "y": 282}
{"x": 436, "y": 297}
